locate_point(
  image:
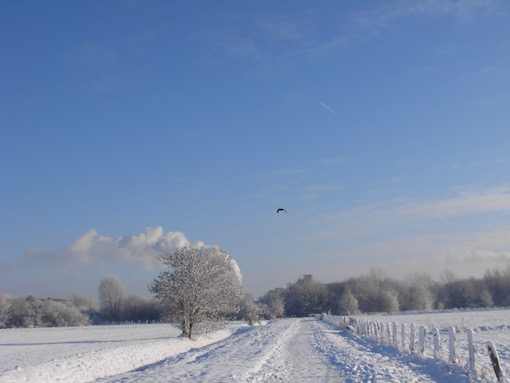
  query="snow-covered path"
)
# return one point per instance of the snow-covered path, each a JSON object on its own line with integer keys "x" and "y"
{"x": 241, "y": 357}
{"x": 300, "y": 357}
{"x": 287, "y": 350}
{"x": 292, "y": 350}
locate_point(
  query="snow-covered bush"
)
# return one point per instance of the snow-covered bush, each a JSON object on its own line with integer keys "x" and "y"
{"x": 58, "y": 314}
{"x": 272, "y": 304}
{"x": 249, "y": 310}
{"x": 4, "y": 307}
{"x": 23, "y": 312}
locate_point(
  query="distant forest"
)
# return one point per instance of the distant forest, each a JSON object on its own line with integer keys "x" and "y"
{"x": 373, "y": 292}
{"x": 376, "y": 292}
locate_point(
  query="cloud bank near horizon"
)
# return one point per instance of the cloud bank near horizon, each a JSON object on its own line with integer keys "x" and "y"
{"x": 90, "y": 246}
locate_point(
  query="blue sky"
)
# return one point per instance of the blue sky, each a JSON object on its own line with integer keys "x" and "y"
{"x": 128, "y": 128}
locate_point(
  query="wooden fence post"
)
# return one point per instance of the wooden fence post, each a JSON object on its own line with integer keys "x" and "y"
{"x": 451, "y": 333}
{"x": 437, "y": 342}
{"x": 403, "y": 335}
{"x": 388, "y": 331}
{"x": 471, "y": 349}
{"x": 493, "y": 353}
{"x": 411, "y": 341}
{"x": 395, "y": 333}
{"x": 421, "y": 340}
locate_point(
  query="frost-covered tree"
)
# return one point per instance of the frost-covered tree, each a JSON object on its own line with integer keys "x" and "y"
{"x": 22, "y": 312}
{"x": 388, "y": 302}
{"x": 86, "y": 304}
{"x": 201, "y": 284}
{"x": 34, "y": 311}
{"x": 111, "y": 295}
{"x": 485, "y": 299}
{"x": 349, "y": 303}
{"x": 375, "y": 292}
{"x": 249, "y": 310}
{"x": 306, "y": 297}
{"x": 415, "y": 293}
{"x": 274, "y": 302}
{"x": 497, "y": 283}
{"x": 137, "y": 308}
{"x": 58, "y": 314}
{"x": 4, "y": 308}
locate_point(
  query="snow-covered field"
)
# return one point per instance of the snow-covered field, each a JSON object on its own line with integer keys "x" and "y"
{"x": 487, "y": 325}
{"x": 84, "y": 354}
{"x": 288, "y": 350}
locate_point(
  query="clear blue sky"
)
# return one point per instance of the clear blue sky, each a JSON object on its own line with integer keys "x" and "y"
{"x": 129, "y": 127}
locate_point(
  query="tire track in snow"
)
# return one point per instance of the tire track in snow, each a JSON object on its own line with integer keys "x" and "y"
{"x": 301, "y": 355}
{"x": 233, "y": 359}
{"x": 273, "y": 366}
{"x": 294, "y": 351}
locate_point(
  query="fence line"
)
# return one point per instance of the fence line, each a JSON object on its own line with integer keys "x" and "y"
{"x": 388, "y": 333}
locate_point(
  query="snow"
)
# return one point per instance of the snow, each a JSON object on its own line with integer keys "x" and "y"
{"x": 84, "y": 354}
{"x": 487, "y": 325}
{"x": 288, "y": 350}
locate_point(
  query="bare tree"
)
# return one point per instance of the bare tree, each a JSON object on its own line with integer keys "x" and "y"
{"x": 137, "y": 308}
{"x": 111, "y": 295}
{"x": 201, "y": 285}
{"x": 88, "y": 304}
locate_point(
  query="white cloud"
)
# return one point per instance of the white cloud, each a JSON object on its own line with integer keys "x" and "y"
{"x": 388, "y": 216}
{"x": 388, "y": 13}
{"x": 146, "y": 247}
{"x": 465, "y": 203}
{"x": 468, "y": 233}
{"x": 90, "y": 247}
{"x": 82, "y": 246}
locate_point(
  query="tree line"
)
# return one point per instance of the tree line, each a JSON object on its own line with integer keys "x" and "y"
{"x": 376, "y": 292}
{"x": 110, "y": 306}
{"x": 201, "y": 286}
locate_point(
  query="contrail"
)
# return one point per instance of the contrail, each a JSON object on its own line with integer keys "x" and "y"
{"x": 332, "y": 111}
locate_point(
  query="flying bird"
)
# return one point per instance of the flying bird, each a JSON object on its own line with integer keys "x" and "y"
{"x": 281, "y": 209}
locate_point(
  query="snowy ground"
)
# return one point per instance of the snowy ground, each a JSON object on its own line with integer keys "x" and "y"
{"x": 84, "y": 354}
{"x": 488, "y": 325}
{"x": 289, "y": 350}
